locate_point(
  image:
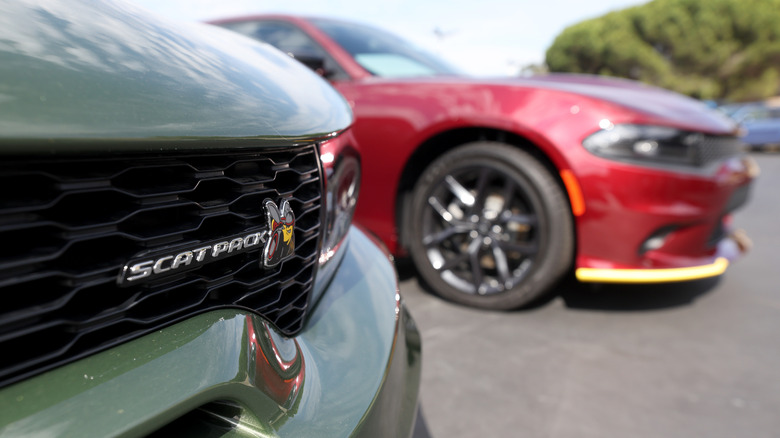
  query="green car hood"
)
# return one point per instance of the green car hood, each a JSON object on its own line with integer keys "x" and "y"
{"x": 110, "y": 71}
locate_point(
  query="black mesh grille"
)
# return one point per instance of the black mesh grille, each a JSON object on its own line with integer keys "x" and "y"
{"x": 716, "y": 148}
{"x": 68, "y": 226}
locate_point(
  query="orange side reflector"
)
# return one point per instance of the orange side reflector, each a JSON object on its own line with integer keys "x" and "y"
{"x": 575, "y": 194}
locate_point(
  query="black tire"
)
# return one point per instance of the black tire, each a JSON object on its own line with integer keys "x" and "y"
{"x": 473, "y": 247}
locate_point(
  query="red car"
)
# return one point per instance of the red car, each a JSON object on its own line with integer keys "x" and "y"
{"x": 498, "y": 188}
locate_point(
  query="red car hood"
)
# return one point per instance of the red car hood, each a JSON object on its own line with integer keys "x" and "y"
{"x": 654, "y": 101}
{"x": 656, "y": 104}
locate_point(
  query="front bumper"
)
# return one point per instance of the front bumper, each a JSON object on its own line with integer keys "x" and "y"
{"x": 645, "y": 225}
{"x": 353, "y": 370}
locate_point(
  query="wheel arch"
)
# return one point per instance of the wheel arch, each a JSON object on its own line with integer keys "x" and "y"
{"x": 443, "y": 142}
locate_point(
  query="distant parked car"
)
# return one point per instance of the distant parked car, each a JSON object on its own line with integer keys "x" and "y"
{"x": 497, "y": 188}
{"x": 737, "y": 111}
{"x": 761, "y": 126}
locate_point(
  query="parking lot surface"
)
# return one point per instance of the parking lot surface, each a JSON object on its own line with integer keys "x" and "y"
{"x": 695, "y": 359}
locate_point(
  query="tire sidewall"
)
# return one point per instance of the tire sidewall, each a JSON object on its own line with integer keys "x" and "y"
{"x": 542, "y": 191}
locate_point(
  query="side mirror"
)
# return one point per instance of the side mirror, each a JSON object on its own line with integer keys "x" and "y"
{"x": 316, "y": 63}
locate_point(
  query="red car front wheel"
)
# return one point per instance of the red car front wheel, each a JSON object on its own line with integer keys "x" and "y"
{"x": 491, "y": 227}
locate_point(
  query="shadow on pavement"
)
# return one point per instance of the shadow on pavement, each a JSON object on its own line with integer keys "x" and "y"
{"x": 420, "y": 426}
{"x": 634, "y": 297}
{"x": 610, "y": 297}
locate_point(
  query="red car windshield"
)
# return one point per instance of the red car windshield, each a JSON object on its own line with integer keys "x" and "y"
{"x": 382, "y": 53}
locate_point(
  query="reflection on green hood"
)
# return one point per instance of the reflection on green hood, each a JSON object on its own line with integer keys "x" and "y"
{"x": 87, "y": 70}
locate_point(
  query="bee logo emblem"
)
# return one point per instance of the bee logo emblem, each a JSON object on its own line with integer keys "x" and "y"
{"x": 281, "y": 237}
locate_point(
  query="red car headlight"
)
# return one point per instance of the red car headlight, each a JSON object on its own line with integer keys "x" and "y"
{"x": 644, "y": 144}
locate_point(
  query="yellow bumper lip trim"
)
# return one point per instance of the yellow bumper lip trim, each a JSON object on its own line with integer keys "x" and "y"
{"x": 595, "y": 275}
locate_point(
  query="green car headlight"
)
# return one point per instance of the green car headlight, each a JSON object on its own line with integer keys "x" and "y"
{"x": 341, "y": 163}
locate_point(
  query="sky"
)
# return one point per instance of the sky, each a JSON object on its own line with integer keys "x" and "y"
{"x": 487, "y": 37}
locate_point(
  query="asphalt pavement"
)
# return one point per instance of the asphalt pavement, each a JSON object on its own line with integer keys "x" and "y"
{"x": 694, "y": 359}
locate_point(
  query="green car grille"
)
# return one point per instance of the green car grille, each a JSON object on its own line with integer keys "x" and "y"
{"x": 70, "y": 225}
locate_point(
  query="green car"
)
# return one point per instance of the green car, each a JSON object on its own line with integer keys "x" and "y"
{"x": 177, "y": 251}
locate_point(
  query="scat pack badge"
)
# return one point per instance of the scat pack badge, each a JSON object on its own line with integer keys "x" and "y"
{"x": 281, "y": 236}
{"x": 278, "y": 244}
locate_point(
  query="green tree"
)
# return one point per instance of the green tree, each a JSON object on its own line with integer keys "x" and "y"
{"x": 709, "y": 49}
